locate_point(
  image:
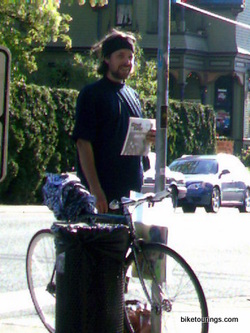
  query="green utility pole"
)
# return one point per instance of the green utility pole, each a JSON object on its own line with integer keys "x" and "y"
{"x": 164, "y": 21}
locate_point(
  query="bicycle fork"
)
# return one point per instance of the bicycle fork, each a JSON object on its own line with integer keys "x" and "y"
{"x": 161, "y": 302}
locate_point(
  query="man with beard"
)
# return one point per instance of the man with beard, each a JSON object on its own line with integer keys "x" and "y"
{"x": 102, "y": 116}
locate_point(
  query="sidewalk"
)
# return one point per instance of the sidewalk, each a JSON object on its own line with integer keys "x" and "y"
{"x": 14, "y": 302}
{"x": 17, "y": 314}
{"x": 25, "y": 328}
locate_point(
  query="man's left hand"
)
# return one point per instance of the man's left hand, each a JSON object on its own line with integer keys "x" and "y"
{"x": 151, "y": 135}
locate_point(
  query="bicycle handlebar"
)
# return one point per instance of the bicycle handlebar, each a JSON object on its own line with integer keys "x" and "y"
{"x": 125, "y": 202}
{"x": 150, "y": 198}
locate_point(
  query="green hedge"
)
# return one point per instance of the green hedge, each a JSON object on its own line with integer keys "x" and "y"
{"x": 41, "y": 122}
{"x": 245, "y": 156}
{"x": 191, "y": 129}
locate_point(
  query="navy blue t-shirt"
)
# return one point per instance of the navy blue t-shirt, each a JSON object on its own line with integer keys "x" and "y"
{"x": 102, "y": 117}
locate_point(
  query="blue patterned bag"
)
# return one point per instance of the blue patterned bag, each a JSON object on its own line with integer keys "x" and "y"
{"x": 67, "y": 197}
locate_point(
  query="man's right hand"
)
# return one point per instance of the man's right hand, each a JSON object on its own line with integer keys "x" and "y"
{"x": 87, "y": 162}
{"x": 101, "y": 201}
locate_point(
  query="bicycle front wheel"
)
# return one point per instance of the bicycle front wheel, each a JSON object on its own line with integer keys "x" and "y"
{"x": 40, "y": 271}
{"x": 170, "y": 299}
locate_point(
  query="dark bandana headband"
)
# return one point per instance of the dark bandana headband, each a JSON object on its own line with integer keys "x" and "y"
{"x": 116, "y": 44}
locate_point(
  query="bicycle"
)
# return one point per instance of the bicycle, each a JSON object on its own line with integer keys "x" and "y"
{"x": 159, "y": 282}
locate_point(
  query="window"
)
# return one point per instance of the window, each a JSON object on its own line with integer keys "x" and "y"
{"x": 124, "y": 10}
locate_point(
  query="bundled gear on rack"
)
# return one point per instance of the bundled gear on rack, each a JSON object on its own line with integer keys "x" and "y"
{"x": 139, "y": 316}
{"x": 67, "y": 197}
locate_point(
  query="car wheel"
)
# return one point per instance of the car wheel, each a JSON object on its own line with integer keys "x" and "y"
{"x": 215, "y": 202}
{"x": 188, "y": 208}
{"x": 245, "y": 208}
{"x": 174, "y": 196}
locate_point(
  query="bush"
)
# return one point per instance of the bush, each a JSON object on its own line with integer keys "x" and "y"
{"x": 40, "y": 125}
{"x": 245, "y": 157}
{"x": 65, "y": 157}
{"x": 191, "y": 129}
{"x": 42, "y": 120}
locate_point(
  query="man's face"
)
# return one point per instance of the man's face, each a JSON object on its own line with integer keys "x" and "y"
{"x": 120, "y": 65}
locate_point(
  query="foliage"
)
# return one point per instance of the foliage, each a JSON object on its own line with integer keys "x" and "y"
{"x": 93, "y": 3}
{"x": 65, "y": 156}
{"x": 245, "y": 156}
{"x": 27, "y": 27}
{"x": 99, "y": 3}
{"x": 144, "y": 81}
{"x": 41, "y": 123}
{"x": 191, "y": 129}
{"x": 85, "y": 68}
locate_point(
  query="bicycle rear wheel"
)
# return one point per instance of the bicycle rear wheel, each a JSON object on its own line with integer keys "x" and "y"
{"x": 172, "y": 285}
{"x": 40, "y": 272}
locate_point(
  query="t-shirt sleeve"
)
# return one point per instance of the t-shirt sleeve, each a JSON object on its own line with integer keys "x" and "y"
{"x": 85, "y": 120}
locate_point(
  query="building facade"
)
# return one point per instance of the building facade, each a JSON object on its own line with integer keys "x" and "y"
{"x": 210, "y": 63}
{"x": 209, "y": 57}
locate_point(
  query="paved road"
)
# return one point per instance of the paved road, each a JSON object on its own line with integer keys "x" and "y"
{"x": 216, "y": 246}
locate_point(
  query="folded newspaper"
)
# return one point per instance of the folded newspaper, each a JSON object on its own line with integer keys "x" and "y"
{"x": 135, "y": 142}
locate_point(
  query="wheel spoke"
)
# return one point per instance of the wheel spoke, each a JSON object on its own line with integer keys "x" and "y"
{"x": 174, "y": 289}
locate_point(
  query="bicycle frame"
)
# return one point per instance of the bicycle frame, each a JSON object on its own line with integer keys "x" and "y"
{"x": 148, "y": 270}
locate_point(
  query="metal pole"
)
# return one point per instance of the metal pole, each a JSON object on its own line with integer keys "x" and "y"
{"x": 164, "y": 21}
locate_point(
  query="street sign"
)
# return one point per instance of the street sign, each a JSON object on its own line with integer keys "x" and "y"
{"x": 4, "y": 108}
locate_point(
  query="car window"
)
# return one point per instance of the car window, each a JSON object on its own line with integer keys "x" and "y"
{"x": 233, "y": 165}
{"x": 195, "y": 166}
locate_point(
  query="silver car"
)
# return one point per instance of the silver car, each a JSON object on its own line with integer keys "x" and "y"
{"x": 213, "y": 181}
{"x": 175, "y": 181}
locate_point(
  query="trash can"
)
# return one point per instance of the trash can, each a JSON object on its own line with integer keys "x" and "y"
{"x": 90, "y": 277}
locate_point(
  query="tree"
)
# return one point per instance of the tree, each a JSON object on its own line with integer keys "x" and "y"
{"x": 26, "y": 27}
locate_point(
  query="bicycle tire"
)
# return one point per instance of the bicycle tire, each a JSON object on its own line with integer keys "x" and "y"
{"x": 40, "y": 271}
{"x": 184, "y": 298}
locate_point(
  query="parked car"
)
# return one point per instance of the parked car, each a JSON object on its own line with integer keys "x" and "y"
{"x": 175, "y": 181}
{"x": 213, "y": 181}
